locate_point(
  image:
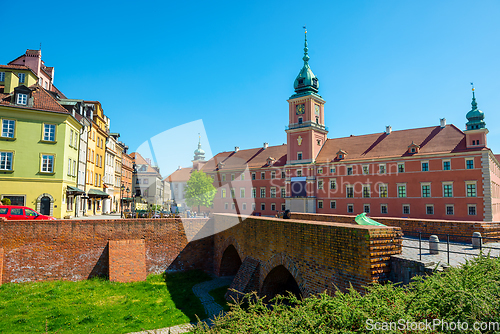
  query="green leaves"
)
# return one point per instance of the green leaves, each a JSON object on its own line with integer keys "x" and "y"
{"x": 200, "y": 190}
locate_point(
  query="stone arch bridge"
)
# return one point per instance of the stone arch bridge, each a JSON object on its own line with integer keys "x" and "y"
{"x": 271, "y": 255}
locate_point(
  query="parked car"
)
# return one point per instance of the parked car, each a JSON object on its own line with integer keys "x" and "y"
{"x": 14, "y": 212}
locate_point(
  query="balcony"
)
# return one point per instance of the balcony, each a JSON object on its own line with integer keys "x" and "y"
{"x": 306, "y": 125}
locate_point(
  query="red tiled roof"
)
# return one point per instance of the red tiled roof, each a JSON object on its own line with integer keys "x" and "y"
{"x": 54, "y": 89}
{"x": 380, "y": 145}
{"x": 253, "y": 158}
{"x": 180, "y": 175}
{"x": 42, "y": 100}
{"x": 139, "y": 160}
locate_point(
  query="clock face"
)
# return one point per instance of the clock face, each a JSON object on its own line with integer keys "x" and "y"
{"x": 300, "y": 108}
{"x": 316, "y": 109}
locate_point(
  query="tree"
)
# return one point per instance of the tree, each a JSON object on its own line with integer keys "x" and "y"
{"x": 200, "y": 190}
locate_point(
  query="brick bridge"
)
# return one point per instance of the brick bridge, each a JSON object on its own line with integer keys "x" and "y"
{"x": 305, "y": 257}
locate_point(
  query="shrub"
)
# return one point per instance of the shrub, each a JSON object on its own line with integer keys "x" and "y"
{"x": 470, "y": 293}
{"x": 6, "y": 201}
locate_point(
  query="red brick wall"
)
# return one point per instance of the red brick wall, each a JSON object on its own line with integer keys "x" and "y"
{"x": 1, "y": 265}
{"x": 127, "y": 260}
{"x": 411, "y": 227}
{"x": 319, "y": 255}
{"x": 78, "y": 249}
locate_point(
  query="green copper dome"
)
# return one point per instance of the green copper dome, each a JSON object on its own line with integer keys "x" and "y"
{"x": 475, "y": 117}
{"x": 306, "y": 81}
{"x": 199, "y": 154}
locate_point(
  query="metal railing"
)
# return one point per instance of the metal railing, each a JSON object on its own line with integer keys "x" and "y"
{"x": 448, "y": 243}
{"x": 306, "y": 124}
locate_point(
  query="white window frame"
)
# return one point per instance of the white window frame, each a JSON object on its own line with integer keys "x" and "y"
{"x": 334, "y": 183}
{"x": 262, "y": 189}
{"x": 254, "y": 192}
{"x": 471, "y": 206}
{"x": 9, "y": 126}
{"x": 223, "y": 177}
{"x": 333, "y": 170}
{"x": 320, "y": 184}
{"x": 49, "y": 133}
{"x": 273, "y": 206}
{"x": 283, "y": 192}
{"x": 403, "y": 165}
{"x": 406, "y": 190}
{"x": 403, "y": 209}
{"x": 443, "y": 162}
{"x": 22, "y": 77}
{"x": 429, "y": 206}
{"x": 52, "y": 161}
{"x": 242, "y": 176}
{"x": 347, "y": 170}
{"x": 347, "y": 187}
{"x": 386, "y": 186}
{"x": 366, "y": 169}
{"x": 467, "y": 183}
{"x": 366, "y": 186}
{"x": 6, "y": 159}
{"x": 320, "y": 170}
{"x": 223, "y": 193}
{"x": 422, "y": 184}
{"x": 273, "y": 175}
{"x": 382, "y": 168}
{"x": 2, "y": 76}
{"x": 366, "y": 205}
{"x": 466, "y": 160}
{"x": 299, "y": 155}
{"x": 446, "y": 209}
{"x": 253, "y": 206}
{"x": 263, "y": 206}
{"x": 333, "y": 204}
{"x": 244, "y": 206}
{"x": 386, "y": 209}
{"x": 226, "y": 206}
{"x": 448, "y": 183}
{"x": 422, "y": 166}
{"x": 320, "y": 204}
{"x": 242, "y": 192}
{"x": 350, "y": 205}
{"x": 22, "y": 99}
{"x": 273, "y": 192}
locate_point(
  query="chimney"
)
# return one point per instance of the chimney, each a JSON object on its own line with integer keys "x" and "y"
{"x": 266, "y": 145}
{"x": 442, "y": 122}
{"x": 236, "y": 148}
{"x": 178, "y": 168}
{"x": 388, "y": 130}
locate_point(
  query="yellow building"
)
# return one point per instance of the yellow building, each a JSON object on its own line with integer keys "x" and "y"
{"x": 39, "y": 142}
{"x": 96, "y": 146}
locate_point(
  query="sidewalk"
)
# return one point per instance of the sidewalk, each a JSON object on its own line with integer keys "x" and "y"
{"x": 107, "y": 216}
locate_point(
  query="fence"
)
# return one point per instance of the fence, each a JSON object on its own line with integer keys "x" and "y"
{"x": 479, "y": 241}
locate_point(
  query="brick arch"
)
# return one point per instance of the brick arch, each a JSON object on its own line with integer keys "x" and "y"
{"x": 222, "y": 248}
{"x": 281, "y": 259}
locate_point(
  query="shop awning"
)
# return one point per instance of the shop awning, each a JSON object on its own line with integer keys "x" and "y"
{"x": 74, "y": 190}
{"x": 126, "y": 199}
{"x": 97, "y": 193}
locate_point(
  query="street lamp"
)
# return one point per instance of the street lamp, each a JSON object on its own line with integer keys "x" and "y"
{"x": 122, "y": 188}
{"x": 128, "y": 198}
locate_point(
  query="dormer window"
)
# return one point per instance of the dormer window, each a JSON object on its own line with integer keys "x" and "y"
{"x": 22, "y": 77}
{"x": 413, "y": 148}
{"x": 2, "y": 76}
{"x": 341, "y": 154}
{"x": 315, "y": 82}
{"x": 301, "y": 81}
{"x": 22, "y": 99}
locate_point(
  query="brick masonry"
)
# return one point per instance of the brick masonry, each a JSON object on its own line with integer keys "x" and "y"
{"x": 78, "y": 249}
{"x": 127, "y": 260}
{"x": 411, "y": 227}
{"x": 319, "y": 255}
{"x": 1, "y": 264}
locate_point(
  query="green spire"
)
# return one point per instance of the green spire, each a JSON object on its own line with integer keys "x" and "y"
{"x": 475, "y": 117}
{"x": 199, "y": 154}
{"x": 306, "y": 82}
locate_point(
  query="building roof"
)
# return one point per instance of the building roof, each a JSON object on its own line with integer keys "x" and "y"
{"x": 253, "y": 158}
{"x": 180, "y": 175}
{"x": 431, "y": 140}
{"x": 42, "y": 100}
{"x": 139, "y": 160}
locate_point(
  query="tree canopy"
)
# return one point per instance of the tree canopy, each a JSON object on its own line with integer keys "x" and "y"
{"x": 200, "y": 190}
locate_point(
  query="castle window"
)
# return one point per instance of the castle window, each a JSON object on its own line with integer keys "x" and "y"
{"x": 446, "y": 165}
{"x": 471, "y": 188}
{"x": 406, "y": 209}
{"x": 333, "y": 204}
{"x": 450, "y": 210}
{"x": 350, "y": 208}
{"x": 319, "y": 142}
{"x": 383, "y": 208}
{"x": 320, "y": 204}
{"x": 301, "y": 81}
{"x": 469, "y": 163}
{"x": 299, "y": 156}
{"x": 429, "y": 209}
{"x": 471, "y": 209}
{"x": 300, "y": 120}
{"x": 366, "y": 208}
{"x": 425, "y": 166}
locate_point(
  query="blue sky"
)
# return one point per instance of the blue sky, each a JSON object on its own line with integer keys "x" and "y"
{"x": 158, "y": 65}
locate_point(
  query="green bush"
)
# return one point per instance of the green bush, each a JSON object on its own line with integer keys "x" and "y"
{"x": 6, "y": 201}
{"x": 470, "y": 293}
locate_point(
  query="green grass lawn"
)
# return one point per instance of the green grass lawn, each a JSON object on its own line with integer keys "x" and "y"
{"x": 218, "y": 296}
{"x": 100, "y": 306}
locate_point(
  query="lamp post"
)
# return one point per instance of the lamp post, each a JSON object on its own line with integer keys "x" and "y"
{"x": 128, "y": 197}
{"x": 122, "y": 188}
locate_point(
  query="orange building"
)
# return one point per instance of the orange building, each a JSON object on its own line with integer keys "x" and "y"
{"x": 437, "y": 172}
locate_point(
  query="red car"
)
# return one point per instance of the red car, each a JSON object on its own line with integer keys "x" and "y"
{"x": 14, "y": 212}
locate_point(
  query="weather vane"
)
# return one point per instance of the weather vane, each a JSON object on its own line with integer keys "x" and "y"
{"x": 472, "y": 84}
{"x": 305, "y": 29}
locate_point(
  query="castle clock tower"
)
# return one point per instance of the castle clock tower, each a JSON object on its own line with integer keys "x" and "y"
{"x": 306, "y": 131}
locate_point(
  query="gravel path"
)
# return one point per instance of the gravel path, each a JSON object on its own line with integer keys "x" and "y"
{"x": 212, "y": 309}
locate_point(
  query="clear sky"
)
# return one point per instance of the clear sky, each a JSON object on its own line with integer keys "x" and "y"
{"x": 156, "y": 65}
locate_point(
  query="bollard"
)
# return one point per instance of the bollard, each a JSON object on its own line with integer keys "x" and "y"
{"x": 434, "y": 244}
{"x": 477, "y": 240}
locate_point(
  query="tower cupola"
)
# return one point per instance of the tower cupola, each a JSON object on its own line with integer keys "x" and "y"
{"x": 475, "y": 117}
{"x": 306, "y": 82}
{"x": 199, "y": 154}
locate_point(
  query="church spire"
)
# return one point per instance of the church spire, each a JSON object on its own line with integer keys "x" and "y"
{"x": 475, "y": 116}
{"x": 306, "y": 82}
{"x": 199, "y": 154}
